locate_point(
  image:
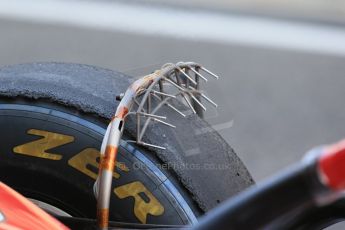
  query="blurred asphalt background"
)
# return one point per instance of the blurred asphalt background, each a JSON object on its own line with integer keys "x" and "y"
{"x": 279, "y": 95}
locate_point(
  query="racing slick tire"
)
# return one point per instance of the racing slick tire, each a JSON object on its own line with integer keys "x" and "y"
{"x": 52, "y": 120}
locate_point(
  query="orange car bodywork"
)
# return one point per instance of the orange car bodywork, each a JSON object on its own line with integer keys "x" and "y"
{"x": 17, "y": 212}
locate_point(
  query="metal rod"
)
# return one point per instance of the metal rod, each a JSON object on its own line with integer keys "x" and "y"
{"x": 177, "y": 76}
{"x": 174, "y": 84}
{"x": 165, "y": 123}
{"x": 164, "y": 94}
{"x": 145, "y": 144}
{"x": 209, "y": 100}
{"x": 189, "y": 104}
{"x": 138, "y": 104}
{"x": 209, "y": 72}
{"x": 151, "y": 115}
{"x": 172, "y": 107}
{"x": 176, "y": 110}
{"x": 151, "y": 145}
{"x": 197, "y": 73}
{"x": 148, "y": 104}
{"x": 161, "y": 88}
{"x": 197, "y": 101}
{"x": 186, "y": 75}
{"x": 143, "y": 87}
{"x": 197, "y": 96}
{"x": 138, "y": 126}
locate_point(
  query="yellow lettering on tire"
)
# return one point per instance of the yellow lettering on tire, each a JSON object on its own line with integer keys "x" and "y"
{"x": 40, "y": 147}
{"x": 141, "y": 207}
{"x": 145, "y": 202}
{"x": 88, "y": 157}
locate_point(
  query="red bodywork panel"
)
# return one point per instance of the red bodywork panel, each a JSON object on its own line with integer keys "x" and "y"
{"x": 331, "y": 166}
{"x": 17, "y": 212}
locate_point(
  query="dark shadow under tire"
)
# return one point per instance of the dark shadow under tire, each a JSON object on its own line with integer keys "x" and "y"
{"x": 52, "y": 120}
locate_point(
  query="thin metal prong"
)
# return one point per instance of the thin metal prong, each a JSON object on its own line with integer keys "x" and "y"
{"x": 164, "y": 94}
{"x": 194, "y": 89}
{"x": 197, "y": 73}
{"x": 145, "y": 144}
{"x": 131, "y": 141}
{"x": 160, "y": 83}
{"x": 138, "y": 127}
{"x": 172, "y": 107}
{"x": 198, "y": 102}
{"x": 163, "y": 122}
{"x": 189, "y": 104}
{"x": 148, "y": 103}
{"x": 151, "y": 145}
{"x": 138, "y": 104}
{"x": 176, "y": 110}
{"x": 151, "y": 115}
{"x": 209, "y": 72}
{"x": 176, "y": 74}
{"x": 209, "y": 100}
{"x": 174, "y": 84}
{"x": 186, "y": 75}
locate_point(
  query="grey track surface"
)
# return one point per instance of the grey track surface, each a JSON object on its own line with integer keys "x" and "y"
{"x": 93, "y": 90}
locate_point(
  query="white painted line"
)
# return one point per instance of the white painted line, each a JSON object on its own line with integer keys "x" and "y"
{"x": 217, "y": 127}
{"x": 194, "y": 25}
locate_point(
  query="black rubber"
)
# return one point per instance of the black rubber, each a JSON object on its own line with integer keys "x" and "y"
{"x": 201, "y": 160}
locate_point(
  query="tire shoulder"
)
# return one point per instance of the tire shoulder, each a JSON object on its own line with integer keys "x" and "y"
{"x": 73, "y": 85}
